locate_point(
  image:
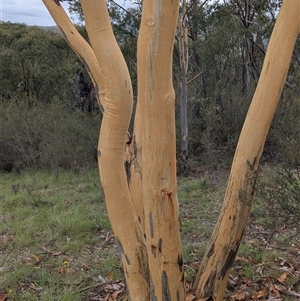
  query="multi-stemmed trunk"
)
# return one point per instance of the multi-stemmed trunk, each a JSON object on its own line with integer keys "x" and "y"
{"x": 139, "y": 175}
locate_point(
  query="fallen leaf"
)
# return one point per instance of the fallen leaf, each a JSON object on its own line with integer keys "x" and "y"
{"x": 36, "y": 258}
{"x": 239, "y": 295}
{"x": 243, "y": 259}
{"x": 116, "y": 293}
{"x": 260, "y": 294}
{"x": 3, "y": 297}
{"x": 282, "y": 277}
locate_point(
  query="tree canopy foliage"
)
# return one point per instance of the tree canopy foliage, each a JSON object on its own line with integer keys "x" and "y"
{"x": 227, "y": 41}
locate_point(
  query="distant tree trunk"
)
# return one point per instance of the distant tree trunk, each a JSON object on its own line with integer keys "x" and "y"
{"x": 182, "y": 37}
{"x": 249, "y": 69}
{"x": 215, "y": 267}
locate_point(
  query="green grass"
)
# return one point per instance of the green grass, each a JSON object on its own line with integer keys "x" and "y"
{"x": 47, "y": 221}
{"x": 56, "y": 239}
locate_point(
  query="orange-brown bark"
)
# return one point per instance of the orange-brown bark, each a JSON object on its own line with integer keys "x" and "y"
{"x": 117, "y": 113}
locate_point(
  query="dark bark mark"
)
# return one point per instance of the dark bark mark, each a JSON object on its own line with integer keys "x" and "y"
{"x": 153, "y": 250}
{"x": 165, "y": 287}
{"x": 128, "y": 171}
{"x": 139, "y": 219}
{"x": 180, "y": 262}
{"x": 209, "y": 285}
{"x": 142, "y": 255}
{"x": 98, "y": 153}
{"x": 127, "y": 259}
{"x": 171, "y": 204}
{"x": 152, "y": 291}
{"x": 57, "y": 1}
{"x": 151, "y": 225}
{"x": 159, "y": 245}
{"x": 244, "y": 197}
{"x": 211, "y": 251}
{"x": 134, "y": 146}
{"x": 177, "y": 295}
{"x": 228, "y": 262}
{"x": 121, "y": 250}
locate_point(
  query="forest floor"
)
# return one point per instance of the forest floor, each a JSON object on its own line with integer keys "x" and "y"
{"x": 56, "y": 242}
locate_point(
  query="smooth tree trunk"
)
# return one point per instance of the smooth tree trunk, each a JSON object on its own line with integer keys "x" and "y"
{"x": 156, "y": 131}
{"x": 106, "y": 65}
{"x": 215, "y": 267}
{"x": 117, "y": 105}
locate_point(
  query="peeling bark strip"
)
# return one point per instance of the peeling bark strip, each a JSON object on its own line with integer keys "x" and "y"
{"x": 165, "y": 287}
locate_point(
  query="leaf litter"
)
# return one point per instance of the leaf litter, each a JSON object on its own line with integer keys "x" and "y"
{"x": 274, "y": 278}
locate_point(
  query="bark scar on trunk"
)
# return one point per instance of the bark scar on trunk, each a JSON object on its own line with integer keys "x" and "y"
{"x": 151, "y": 225}
{"x": 159, "y": 245}
{"x": 180, "y": 262}
{"x": 165, "y": 287}
{"x": 228, "y": 262}
{"x": 152, "y": 292}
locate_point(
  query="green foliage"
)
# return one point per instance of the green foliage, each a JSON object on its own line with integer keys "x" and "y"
{"x": 226, "y": 55}
{"x": 48, "y": 230}
{"x": 277, "y": 206}
{"x": 39, "y": 97}
{"x": 47, "y": 135}
{"x": 35, "y": 64}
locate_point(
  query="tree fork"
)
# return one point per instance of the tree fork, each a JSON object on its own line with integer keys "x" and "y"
{"x": 215, "y": 267}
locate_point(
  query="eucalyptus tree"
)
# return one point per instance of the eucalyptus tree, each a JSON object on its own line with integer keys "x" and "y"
{"x": 141, "y": 197}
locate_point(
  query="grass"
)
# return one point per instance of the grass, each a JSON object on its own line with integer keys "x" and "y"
{"x": 56, "y": 241}
{"x": 51, "y": 231}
